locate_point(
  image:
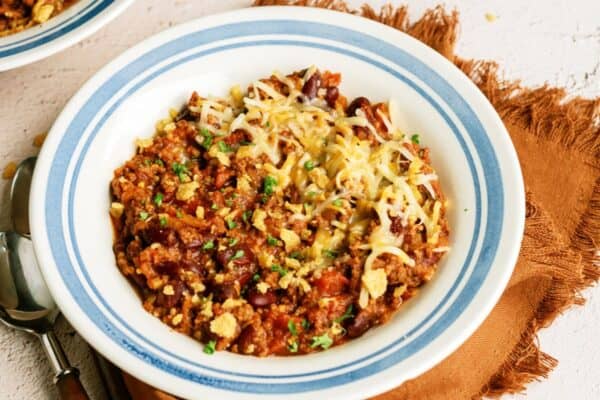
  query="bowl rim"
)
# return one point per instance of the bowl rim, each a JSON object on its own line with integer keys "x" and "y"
{"x": 58, "y": 33}
{"x": 493, "y": 123}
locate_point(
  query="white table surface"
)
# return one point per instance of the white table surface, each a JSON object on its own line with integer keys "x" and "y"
{"x": 555, "y": 41}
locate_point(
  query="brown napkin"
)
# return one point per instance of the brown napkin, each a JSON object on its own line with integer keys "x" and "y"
{"x": 558, "y": 145}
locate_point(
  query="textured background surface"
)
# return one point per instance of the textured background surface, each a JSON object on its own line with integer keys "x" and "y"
{"x": 550, "y": 41}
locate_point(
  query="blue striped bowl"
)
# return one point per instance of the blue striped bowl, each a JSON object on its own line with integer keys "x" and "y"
{"x": 76, "y": 23}
{"x": 470, "y": 148}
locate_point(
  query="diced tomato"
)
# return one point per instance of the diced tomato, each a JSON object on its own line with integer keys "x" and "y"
{"x": 331, "y": 283}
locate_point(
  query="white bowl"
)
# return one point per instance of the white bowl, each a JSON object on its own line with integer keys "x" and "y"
{"x": 69, "y": 27}
{"x": 470, "y": 148}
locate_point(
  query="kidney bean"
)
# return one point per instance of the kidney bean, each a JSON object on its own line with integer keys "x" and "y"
{"x": 311, "y": 86}
{"x": 225, "y": 256}
{"x": 226, "y": 290}
{"x": 258, "y": 299}
{"x": 359, "y": 102}
{"x": 155, "y": 234}
{"x": 332, "y": 95}
{"x": 360, "y": 324}
{"x": 169, "y": 301}
{"x": 167, "y": 267}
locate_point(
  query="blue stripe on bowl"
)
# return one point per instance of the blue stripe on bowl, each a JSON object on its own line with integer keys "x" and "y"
{"x": 493, "y": 185}
{"x": 66, "y": 26}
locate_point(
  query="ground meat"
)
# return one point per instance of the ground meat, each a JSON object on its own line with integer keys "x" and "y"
{"x": 227, "y": 248}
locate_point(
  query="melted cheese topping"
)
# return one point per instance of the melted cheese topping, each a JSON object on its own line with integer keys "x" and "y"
{"x": 329, "y": 162}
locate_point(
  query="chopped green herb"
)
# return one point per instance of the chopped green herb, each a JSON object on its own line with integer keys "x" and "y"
{"x": 181, "y": 170}
{"x": 324, "y": 341}
{"x": 466, "y": 209}
{"x": 228, "y": 202}
{"x": 246, "y": 143}
{"x": 179, "y": 214}
{"x": 271, "y": 241}
{"x": 158, "y": 199}
{"x": 293, "y": 347}
{"x": 231, "y": 224}
{"x": 224, "y": 147}
{"x": 233, "y": 241}
{"x": 264, "y": 198}
{"x": 208, "y": 245}
{"x": 214, "y": 206}
{"x": 144, "y": 215}
{"x": 269, "y": 185}
{"x": 296, "y": 255}
{"x": 209, "y": 348}
{"x": 330, "y": 253}
{"x": 305, "y": 324}
{"x": 309, "y": 165}
{"x": 268, "y": 124}
{"x": 415, "y": 139}
{"x": 347, "y": 314}
{"x": 208, "y": 139}
{"x": 238, "y": 254}
{"x": 247, "y": 215}
{"x": 292, "y": 328}
{"x": 337, "y": 202}
{"x": 311, "y": 194}
{"x": 159, "y": 162}
{"x": 279, "y": 269}
{"x": 163, "y": 221}
{"x": 147, "y": 162}
{"x": 256, "y": 278}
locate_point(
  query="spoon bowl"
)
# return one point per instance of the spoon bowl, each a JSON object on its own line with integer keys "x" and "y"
{"x": 25, "y": 302}
{"x": 19, "y": 194}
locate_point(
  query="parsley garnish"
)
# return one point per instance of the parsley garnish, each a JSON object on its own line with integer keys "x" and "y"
{"x": 269, "y": 185}
{"x": 163, "y": 221}
{"x": 158, "y": 199}
{"x": 309, "y": 165}
{"x": 208, "y": 245}
{"x": 147, "y": 162}
{"x": 330, "y": 253}
{"x": 296, "y": 255}
{"x": 324, "y": 341}
{"x": 311, "y": 194}
{"x": 246, "y": 215}
{"x": 209, "y": 348}
{"x": 415, "y": 139}
{"x": 144, "y": 215}
{"x": 238, "y": 254}
{"x": 279, "y": 269}
{"x": 181, "y": 170}
{"x": 337, "y": 202}
{"x": 179, "y": 214}
{"x": 292, "y": 328}
{"x": 233, "y": 241}
{"x": 159, "y": 162}
{"x": 293, "y": 347}
{"x": 214, "y": 206}
{"x": 271, "y": 241}
{"x": 208, "y": 139}
{"x": 224, "y": 147}
{"x": 347, "y": 314}
{"x": 305, "y": 324}
{"x": 231, "y": 224}
{"x": 256, "y": 278}
{"x": 228, "y": 202}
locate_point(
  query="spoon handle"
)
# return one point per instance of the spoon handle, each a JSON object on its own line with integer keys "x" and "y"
{"x": 66, "y": 377}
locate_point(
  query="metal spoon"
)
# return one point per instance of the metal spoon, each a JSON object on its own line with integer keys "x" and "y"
{"x": 19, "y": 194}
{"x": 26, "y": 304}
